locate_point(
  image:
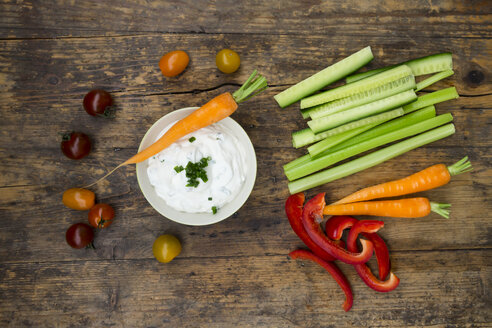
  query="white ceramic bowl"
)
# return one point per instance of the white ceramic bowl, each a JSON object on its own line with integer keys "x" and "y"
{"x": 196, "y": 219}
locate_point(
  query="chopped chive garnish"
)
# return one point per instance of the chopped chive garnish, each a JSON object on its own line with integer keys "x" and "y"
{"x": 209, "y": 198}
{"x": 195, "y": 171}
{"x": 192, "y": 139}
{"x": 214, "y": 209}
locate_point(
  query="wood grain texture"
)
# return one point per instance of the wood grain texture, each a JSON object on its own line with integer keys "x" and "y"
{"x": 437, "y": 288}
{"x": 235, "y": 273}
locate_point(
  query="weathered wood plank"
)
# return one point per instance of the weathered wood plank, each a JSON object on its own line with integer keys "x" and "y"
{"x": 55, "y": 71}
{"x": 47, "y": 19}
{"x": 260, "y": 291}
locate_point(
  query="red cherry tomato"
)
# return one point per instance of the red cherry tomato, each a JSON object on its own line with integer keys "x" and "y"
{"x": 173, "y": 63}
{"x": 101, "y": 216}
{"x": 76, "y": 145}
{"x": 79, "y": 235}
{"x": 98, "y": 103}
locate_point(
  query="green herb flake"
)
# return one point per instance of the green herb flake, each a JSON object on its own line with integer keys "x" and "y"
{"x": 209, "y": 198}
{"x": 195, "y": 171}
{"x": 192, "y": 139}
{"x": 214, "y": 209}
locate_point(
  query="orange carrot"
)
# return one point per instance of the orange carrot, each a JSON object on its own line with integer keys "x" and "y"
{"x": 400, "y": 208}
{"x": 213, "y": 111}
{"x": 429, "y": 178}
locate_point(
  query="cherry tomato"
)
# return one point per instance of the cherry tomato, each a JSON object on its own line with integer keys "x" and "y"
{"x": 79, "y": 235}
{"x": 98, "y": 102}
{"x": 173, "y": 63}
{"x": 227, "y": 61}
{"x": 76, "y": 145}
{"x": 78, "y": 199}
{"x": 166, "y": 248}
{"x": 101, "y": 216}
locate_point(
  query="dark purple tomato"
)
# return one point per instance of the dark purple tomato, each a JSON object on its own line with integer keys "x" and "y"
{"x": 76, "y": 145}
{"x": 79, "y": 235}
{"x": 98, "y": 102}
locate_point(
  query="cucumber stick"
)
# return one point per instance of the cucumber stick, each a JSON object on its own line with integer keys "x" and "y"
{"x": 307, "y": 136}
{"x": 362, "y": 98}
{"x": 433, "y": 79}
{"x": 373, "y": 132}
{"x": 349, "y": 115}
{"x": 419, "y": 66}
{"x": 334, "y": 140}
{"x": 432, "y": 98}
{"x": 357, "y": 87}
{"x": 335, "y": 157}
{"x": 327, "y": 76}
{"x": 371, "y": 159}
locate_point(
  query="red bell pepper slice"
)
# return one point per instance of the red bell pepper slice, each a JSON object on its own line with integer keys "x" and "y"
{"x": 336, "y": 224}
{"x": 363, "y": 270}
{"x": 334, "y": 229}
{"x": 293, "y": 209}
{"x": 382, "y": 254}
{"x": 312, "y": 215}
{"x": 333, "y": 270}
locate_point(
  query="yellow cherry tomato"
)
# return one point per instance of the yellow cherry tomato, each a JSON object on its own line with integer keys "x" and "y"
{"x": 166, "y": 248}
{"x": 173, "y": 63}
{"x": 79, "y": 199}
{"x": 227, "y": 61}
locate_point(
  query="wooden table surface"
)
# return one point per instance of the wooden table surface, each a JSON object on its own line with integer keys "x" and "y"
{"x": 235, "y": 273}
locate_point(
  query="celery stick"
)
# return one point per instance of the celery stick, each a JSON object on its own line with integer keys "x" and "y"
{"x": 432, "y": 98}
{"x": 362, "y": 98}
{"x": 394, "y": 125}
{"x": 306, "y": 136}
{"x": 419, "y": 66}
{"x": 372, "y": 132}
{"x": 335, "y": 157}
{"x": 298, "y": 161}
{"x": 321, "y": 79}
{"x": 332, "y": 141}
{"x": 349, "y": 115}
{"x": 371, "y": 159}
{"x": 357, "y": 87}
{"x": 433, "y": 79}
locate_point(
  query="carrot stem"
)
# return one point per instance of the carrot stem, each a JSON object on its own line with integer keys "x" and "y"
{"x": 253, "y": 86}
{"x": 441, "y": 209}
{"x": 461, "y": 166}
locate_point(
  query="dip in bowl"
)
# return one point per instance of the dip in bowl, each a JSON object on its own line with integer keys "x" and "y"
{"x": 223, "y": 151}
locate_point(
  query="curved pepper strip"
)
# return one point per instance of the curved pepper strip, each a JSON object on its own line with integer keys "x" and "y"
{"x": 336, "y": 224}
{"x": 293, "y": 209}
{"x": 334, "y": 229}
{"x": 382, "y": 254}
{"x": 363, "y": 270}
{"x": 333, "y": 270}
{"x": 312, "y": 212}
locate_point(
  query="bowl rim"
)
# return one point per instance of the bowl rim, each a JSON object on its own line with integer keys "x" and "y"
{"x": 197, "y": 219}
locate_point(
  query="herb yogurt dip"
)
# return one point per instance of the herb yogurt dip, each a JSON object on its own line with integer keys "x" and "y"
{"x": 225, "y": 170}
